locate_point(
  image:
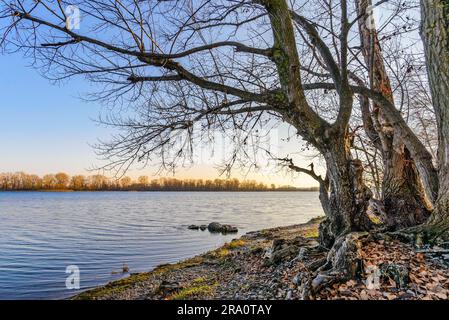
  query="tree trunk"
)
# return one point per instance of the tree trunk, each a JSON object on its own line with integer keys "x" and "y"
{"x": 435, "y": 35}
{"x": 403, "y": 195}
{"x": 348, "y": 197}
{"x": 347, "y": 201}
{"x": 402, "y": 192}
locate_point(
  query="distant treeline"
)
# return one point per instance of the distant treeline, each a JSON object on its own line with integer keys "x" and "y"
{"x": 20, "y": 181}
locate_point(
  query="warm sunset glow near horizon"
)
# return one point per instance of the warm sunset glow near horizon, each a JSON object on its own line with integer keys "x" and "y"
{"x": 47, "y": 128}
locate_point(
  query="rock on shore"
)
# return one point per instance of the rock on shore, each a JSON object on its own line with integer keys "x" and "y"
{"x": 223, "y": 228}
{"x": 215, "y": 227}
{"x": 272, "y": 263}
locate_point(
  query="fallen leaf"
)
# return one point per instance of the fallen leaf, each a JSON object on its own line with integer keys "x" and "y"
{"x": 364, "y": 295}
{"x": 351, "y": 283}
{"x": 441, "y": 295}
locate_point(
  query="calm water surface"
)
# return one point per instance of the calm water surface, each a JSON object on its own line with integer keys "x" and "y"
{"x": 41, "y": 233}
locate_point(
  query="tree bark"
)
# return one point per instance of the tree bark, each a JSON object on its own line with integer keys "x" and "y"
{"x": 348, "y": 196}
{"x": 435, "y": 35}
{"x": 402, "y": 192}
{"x": 346, "y": 205}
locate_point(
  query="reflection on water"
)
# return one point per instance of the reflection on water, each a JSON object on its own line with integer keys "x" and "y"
{"x": 41, "y": 233}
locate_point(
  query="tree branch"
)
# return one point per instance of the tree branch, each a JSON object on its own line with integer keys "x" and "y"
{"x": 326, "y": 54}
{"x": 154, "y": 59}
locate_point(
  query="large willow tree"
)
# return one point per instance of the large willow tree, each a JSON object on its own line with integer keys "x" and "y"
{"x": 236, "y": 65}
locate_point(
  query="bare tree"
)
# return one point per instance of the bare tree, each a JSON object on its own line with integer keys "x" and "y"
{"x": 195, "y": 67}
{"x": 175, "y": 71}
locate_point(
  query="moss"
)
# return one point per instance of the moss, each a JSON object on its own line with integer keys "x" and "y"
{"x": 234, "y": 244}
{"x": 199, "y": 285}
{"x": 222, "y": 252}
{"x": 113, "y": 287}
{"x": 266, "y": 232}
{"x": 195, "y": 291}
{"x": 375, "y": 219}
{"x": 256, "y": 249}
{"x": 122, "y": 285}
{"x": 163, "y": 268}
{"x": 199, "y": 280}
{"x": 311, "y": 229}
{"x": 311, "y": 233}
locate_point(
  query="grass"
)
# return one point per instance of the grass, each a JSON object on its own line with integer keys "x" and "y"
{"x": 311, "y": 230}
{"x": 163, "y": 268}
{"x": 311, "y": 233}
{"x": 118, "y": 286}
{"x": 113, "y": 287}
{"x": 221, "y": 253}
{"x": 234, "y": 244}
{"x": 199, "y": 280}
{"x": 194, "y": 291}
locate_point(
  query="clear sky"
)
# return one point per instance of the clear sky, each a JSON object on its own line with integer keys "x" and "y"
{"x": 47, "y": 128}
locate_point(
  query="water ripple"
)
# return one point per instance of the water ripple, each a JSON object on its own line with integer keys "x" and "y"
{"x": 42, "y": 233}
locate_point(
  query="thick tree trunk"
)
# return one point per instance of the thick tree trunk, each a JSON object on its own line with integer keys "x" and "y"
{"x": 403, "y": 195}
{"x": 348, "y": 196}
{"x": 435, "y": 35}
{"x": 439, "y": 220}
{"x": 402, "y": 192}
{"x": 347, "y": 201}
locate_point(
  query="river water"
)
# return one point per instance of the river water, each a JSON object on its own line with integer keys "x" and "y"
{"x": 41, "y": 233}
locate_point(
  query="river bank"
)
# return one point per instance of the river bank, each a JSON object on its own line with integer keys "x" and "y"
{"x": 271, "y": 263}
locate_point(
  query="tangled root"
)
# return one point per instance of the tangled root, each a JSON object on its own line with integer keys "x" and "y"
{"x": 344, "y": 262}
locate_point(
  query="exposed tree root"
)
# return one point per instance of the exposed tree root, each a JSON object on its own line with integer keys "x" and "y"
{"x": 344, "y": 262}
{"x": 422, "y": 236}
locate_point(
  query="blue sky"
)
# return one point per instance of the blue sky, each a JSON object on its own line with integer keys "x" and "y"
{"x": 47, "y": 128}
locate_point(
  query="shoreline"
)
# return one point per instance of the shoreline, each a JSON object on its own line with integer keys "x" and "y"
{"x": 200, "y": 285}
{"x": 272, "y": 263}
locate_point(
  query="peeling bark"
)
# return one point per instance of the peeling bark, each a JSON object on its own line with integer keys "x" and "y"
{"x": 402, "y": 192}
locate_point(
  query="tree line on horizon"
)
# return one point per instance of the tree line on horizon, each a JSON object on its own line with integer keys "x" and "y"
{"x": 368, "y": 97}
{"x": 21, "y": 181}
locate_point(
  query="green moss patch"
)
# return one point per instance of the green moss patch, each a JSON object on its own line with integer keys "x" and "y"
{"x": 113, "y": 287}
{"x": 198, "y": 291}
